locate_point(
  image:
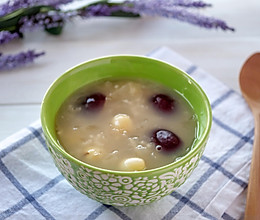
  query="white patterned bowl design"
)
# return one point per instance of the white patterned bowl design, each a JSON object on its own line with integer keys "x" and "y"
{"x": 124, "y": 190}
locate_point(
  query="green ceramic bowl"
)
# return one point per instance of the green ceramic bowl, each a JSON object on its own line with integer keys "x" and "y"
{"x": 117, "y": 187}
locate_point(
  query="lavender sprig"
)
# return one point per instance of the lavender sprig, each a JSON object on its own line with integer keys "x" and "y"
{"x": 6, "y": 36}
{"x": 8, "y": 62}
{"x": 101, "y": 9}
{"x": 170, "y": 10}
{"x": 50, "y": 19}
{"x": 191, "y": 4}
{"x": 54, "y": 19}
{"x": 13, "y": 5}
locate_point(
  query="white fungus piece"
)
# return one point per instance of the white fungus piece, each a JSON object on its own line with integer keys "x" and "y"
{"x": 122, "y": 122}
{"x": 133, "y": 164}
{"x": 93, "y": 153}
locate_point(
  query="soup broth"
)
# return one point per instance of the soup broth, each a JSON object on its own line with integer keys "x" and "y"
{"x": 126, "y": 125}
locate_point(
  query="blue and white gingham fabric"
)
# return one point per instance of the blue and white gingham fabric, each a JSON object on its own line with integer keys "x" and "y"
{"x": 32, "y": 188}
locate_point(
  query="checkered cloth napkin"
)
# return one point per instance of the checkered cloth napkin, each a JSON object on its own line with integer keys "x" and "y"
{"x": 32, "y": 188}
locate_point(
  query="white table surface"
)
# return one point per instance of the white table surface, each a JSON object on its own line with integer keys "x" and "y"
{"x": 219, "y": 53}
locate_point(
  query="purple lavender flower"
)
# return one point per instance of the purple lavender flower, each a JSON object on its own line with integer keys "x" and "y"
{"x": 8, "y": 62}
{"x": 6, "y": 36}
{"x": 193, "y": 4}
{"x": 49, "y": 19}
{"x": 100, "y": 10}
{"x": 13, "y": 5}
{"x": 170, "y": 10}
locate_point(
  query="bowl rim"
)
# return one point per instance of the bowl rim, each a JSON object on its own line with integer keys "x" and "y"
{"x": 177, "y": 163}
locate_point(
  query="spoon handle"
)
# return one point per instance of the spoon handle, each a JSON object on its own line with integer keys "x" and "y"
{"x": 253, "y": 195}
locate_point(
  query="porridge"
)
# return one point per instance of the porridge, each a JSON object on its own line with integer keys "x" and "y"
{"x": 126, "y": 125}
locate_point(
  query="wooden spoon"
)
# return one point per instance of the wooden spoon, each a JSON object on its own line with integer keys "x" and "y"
{"x": 250, "y": 86}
